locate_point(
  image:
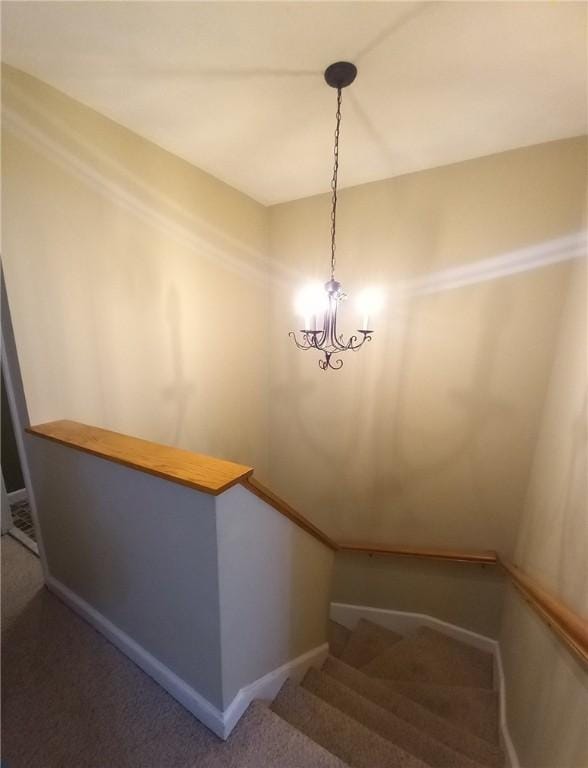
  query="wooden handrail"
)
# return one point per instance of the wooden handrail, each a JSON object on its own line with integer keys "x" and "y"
{"x": 565, "y": 622}
{"x": 284, "y": 508}
{"x": 204, "y": 473}
{"x": 482, "y": 557}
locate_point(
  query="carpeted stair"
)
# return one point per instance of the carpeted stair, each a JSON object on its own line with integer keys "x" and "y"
{"x": 482, "y": 750}
{"x": 385, "y": 723}
{"x": 341, "y": 734}
{"x": 430, "y": 657}
{"x": 104, "y": 710}
{"x": 338, "y": 637}
{"x": 475, "y": 709}
{"x": 385, "y": 701}
{"x": 264, "y": 740}
{"x": 366, "y": 643}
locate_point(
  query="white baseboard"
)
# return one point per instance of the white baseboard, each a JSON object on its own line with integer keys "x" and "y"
{"x": 220, "y": 722}
{"x": 15, "y": 496}
{"x": 405, "y": 622}
{"x": 505, "y": 739}
{"x": 17, "y": 534}
{"x": 267, "y": 687}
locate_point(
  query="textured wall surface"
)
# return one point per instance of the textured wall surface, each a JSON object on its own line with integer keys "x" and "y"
{"x": 137, "y": 283}
{"x": 150, "y": 298}
{"x": 274, "y": 586}
{"x": 427, "y": 435}
{"x": 469, "y": 596}
{"x": 552, "y": 541}
{"x": 139, "y": 550}
{"x": 547, "y": 687}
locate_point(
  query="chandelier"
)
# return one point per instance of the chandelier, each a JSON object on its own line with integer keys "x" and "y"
{"x": 318, "y": 304}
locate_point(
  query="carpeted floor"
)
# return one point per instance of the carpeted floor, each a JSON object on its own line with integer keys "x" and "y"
{"x": 71, "y": 700}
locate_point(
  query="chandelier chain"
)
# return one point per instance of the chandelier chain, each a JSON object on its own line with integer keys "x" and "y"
{"x": 334, "y": 184}
{"x": 320, "y": 331}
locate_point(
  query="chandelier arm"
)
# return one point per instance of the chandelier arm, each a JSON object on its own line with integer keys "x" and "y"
{"x": 336, "y": 340}
{"x": 332, "y": 320}
{"x": 305, "y": 343}
{"x": 310, "y": 339}
{"x": 355, "y": 347}
{"x": 325, "y": 331}
{"x": 333, "y": 324}
{"x": 318, "y": 338}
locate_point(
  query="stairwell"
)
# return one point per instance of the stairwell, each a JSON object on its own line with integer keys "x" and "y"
{"x": 380, "y": 699}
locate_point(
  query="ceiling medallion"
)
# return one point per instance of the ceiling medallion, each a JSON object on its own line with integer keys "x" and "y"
{"x": 318, "y": 304}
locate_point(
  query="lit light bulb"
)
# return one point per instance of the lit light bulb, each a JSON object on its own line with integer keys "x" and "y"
{"x": 311, "y": 302}
{"x": 369, "y": 302}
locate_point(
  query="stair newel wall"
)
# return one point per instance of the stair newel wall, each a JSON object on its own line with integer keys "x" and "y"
{"x": 274, "y": 589}
{"x": 196, "y": 578}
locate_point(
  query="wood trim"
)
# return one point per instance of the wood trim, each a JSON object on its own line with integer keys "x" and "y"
{"x": 284, "y": 508}
{"x": 195, "y": 470}
{"x": 565, "y": 622}
{"x": 482, "y": 557}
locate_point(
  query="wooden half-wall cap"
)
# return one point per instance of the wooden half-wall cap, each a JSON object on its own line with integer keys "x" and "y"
{"x": 285, "y": 509}
{"x": 565, "y": 622}
{"x": 195, "y": 470}
{"x": 481, "y": 557}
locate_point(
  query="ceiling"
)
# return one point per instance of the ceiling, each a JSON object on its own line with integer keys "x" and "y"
{"x": 237, "y": 88}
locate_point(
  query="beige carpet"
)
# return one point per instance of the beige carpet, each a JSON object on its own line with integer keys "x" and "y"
{"x": 379, "y": 720}
{"x": 427, "y": 721}
{"x": 352, "y": 741}
{"x": 71, "y": 700}
{"x": 366, "y": 643}
{"x": 475, "y": 709}
{"x": 430, "y": 657}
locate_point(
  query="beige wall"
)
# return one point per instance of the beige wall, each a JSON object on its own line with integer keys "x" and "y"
{"x": 547, "y": 688}
{"x": 274, "y": 589}
{"x": 140, "y": 551}
{"x": 138, "y": 284}
{"x": 222, "y": 590}
{"x": 546, "y": 691}
{"x": 140, "y": 297}
{"x": 552, "y": 541}
{"x": 427, "y": 436}
{"x": 469, "y": 596}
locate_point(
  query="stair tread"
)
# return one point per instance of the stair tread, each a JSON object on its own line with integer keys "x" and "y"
{"x": 337, "y": 635}
{"x": 458, "y": 737}
{"x": 339, "y": 733}
{"x": 366, "y": 642}
{"x": 459, "y": 646}
{"x": 431, "y": 657}
{"x": 473, "y": 708}
{"x": 262, "y": 739}
{"x": 400, "y": 732}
